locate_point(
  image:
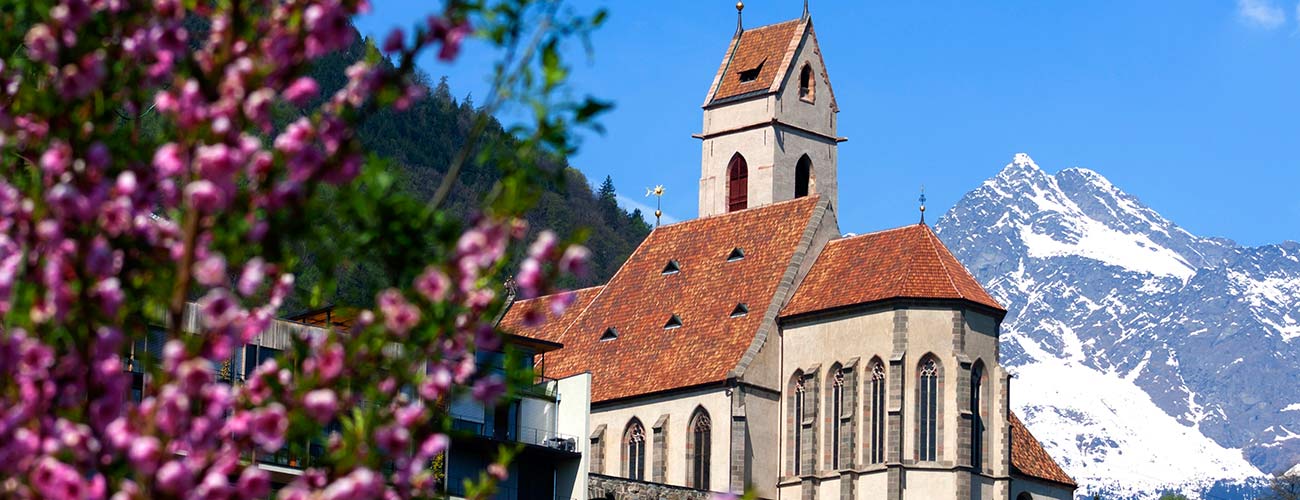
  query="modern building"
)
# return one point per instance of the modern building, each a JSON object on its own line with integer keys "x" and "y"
{"x": 546, "y": 421}
{"x": 757, "y": 347}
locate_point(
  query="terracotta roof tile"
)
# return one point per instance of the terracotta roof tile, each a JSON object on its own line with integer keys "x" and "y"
{"x": 907, "y": 262}
{"x": 1029, "y": 458}
{"x": 766, "y": 45}
{"x": 639, "y": 299}
{"x": 551, "y": 326}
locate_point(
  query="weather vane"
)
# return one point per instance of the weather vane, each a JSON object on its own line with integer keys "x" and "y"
{"x": 922, "y": 200}
{"x": 658, "y": 193}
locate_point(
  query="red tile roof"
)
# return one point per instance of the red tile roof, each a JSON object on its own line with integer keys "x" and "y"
{"x": 639, "y": 300}
{"x": 551, "y": 326}
{"x": 1029, "y": 458}
{"x": 907, "y": 262}
{"x": 772, "y": 46}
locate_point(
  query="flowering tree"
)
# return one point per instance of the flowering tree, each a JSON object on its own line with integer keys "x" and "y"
{"x": 162, "y": 153}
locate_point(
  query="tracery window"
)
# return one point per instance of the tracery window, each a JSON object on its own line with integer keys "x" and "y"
{"x": 928, "y": 411}
{"x": 876, "y": 401}
{"x": 698, "y": 447}
{"x": 634, "y": 450}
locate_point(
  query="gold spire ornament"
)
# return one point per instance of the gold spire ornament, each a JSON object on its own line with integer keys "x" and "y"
{"x": 740, "y": 6}
{"x": 658, "y": 193}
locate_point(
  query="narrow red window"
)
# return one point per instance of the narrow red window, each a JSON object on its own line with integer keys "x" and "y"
{"x": 737, "y": 184}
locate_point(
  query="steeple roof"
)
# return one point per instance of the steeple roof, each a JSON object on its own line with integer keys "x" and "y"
{"x": 906, "y": 262}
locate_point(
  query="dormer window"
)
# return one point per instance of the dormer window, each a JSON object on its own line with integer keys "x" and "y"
{"x": 673, "y": 322}
{"x": 611, "y": 333}
{"x": 807, "y": 84}
{"x": 672, "y": 267}
{"x": 735, "y": 255}
{"x": 751, "y": 74}
{"x": 740, "y": 310}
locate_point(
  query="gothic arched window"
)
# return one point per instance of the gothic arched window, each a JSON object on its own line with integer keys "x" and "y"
{"x": 634, "y": 450}
{"x": 698, "y": 446}
{"x": 928, "y": 411}
{"x": 803, "y": 177}
{"x": 807, "y": 84}
{"x": 978, "y": 400}
{"x": 737, "y": 183}
{"x": 876, "y": 403}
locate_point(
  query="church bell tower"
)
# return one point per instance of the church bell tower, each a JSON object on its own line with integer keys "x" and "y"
{"x": 769, "y": 121}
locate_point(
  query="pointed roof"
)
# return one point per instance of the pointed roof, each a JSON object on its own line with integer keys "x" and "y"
{"x": 906, "y": 262}
{"x": 767, "y": 51}
{"x": 703, "y": 292}
{"x": 1028, "y": 457}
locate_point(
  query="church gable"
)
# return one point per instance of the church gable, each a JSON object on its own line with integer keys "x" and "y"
{"x": 907, "y": 262}
{"x": 756, "y": 60}
{"x": 677, "y": 329}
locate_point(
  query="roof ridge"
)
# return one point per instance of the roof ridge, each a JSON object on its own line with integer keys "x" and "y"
{"x": 747, "y": 210}
{"x": 947, "y": 273}
{"x": 901, "y": 280}
{"x": 873, "y": 233}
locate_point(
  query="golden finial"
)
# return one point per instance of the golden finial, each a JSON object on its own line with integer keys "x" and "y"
{"x": 740, "y": 26}
{"x": 658, "y": 193}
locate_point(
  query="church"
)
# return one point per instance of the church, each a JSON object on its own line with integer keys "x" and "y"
{"x": 757, "y": 348}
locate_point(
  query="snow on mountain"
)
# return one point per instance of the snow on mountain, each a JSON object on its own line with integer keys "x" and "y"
{"x": 1145, "y": 356}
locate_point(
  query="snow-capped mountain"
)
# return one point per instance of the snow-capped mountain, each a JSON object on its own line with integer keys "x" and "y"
{"x": 1145, "y": 357}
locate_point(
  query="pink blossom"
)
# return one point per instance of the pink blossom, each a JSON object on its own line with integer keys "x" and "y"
{"x": 252, "y": 277}
{"x": 56, "y": 159}
{"x": 41, "y": 45}
{"x": 174, "y": 477}
{"x": 399, "y": 315}
{"x": 320, "y": 405}
{"x": 488, "y": 389}
{"x": 575, "y": 260}
{"x": 268, "y": 426}
{"x": 433, "y": 284}
{"x": 145, "y": 453}
{"x": 254, "y": 482}
{"x": 210, "y": 271}
{"x": 301, "y": 91}
{"x": 394, "y": 41}
{"x": 204, "y": 196}
{"x": 498, "y": 472}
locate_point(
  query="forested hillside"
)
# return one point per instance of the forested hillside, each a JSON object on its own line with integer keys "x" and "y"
{"x": 421, "y": 143}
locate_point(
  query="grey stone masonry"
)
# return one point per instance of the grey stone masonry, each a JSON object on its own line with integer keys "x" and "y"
{"x": 894, "y": 423}
{"x": 659, "y": 464}
{"x": 597, "y": 464}
{"x": 602, "y": 487}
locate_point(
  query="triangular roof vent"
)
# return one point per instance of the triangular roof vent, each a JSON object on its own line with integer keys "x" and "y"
{"x": 740, "y": 310}
{"x": 611, "y": 333}
{"x": 672, "y": 267}
{"x": 735, "y": 255}
{"x": 673, "y": 322}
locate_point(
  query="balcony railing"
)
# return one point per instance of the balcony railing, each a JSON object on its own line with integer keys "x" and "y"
{"x": 522, "y": 434}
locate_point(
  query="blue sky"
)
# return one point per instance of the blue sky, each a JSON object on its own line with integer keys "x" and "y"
{"x": 1191, "y": 105}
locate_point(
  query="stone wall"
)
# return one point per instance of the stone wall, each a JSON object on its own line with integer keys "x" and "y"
{"x": 602, "y": 487}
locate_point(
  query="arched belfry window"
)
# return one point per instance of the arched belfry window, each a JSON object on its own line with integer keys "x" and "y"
{"x": 978, "y": 400}
{"x": 804, "y": 182}
{"x": 807, "y": 84}
{"x": 876, "y": 414}
{"x": 737, "y": 184}
{"x": 634, "y": 450}
{"x": 929, "y": 412}
{"x": 698, "y": 445}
